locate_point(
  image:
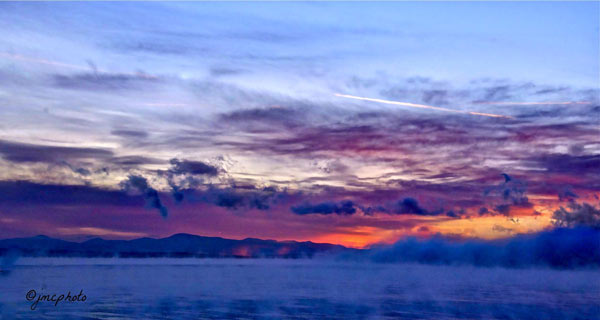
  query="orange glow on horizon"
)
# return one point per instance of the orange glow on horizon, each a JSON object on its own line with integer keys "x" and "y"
{"x": 359, "y": 237}
{"x": 522, "y": 220}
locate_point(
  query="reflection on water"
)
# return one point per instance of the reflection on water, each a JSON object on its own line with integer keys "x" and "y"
{"x": 295, "y": 289}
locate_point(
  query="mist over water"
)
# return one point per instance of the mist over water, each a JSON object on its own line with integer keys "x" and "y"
{"x": 563, "y": 248}
{"x": 296, "y": 289}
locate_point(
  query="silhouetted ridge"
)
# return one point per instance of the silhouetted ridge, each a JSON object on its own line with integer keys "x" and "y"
{"x": 177, "y": 245}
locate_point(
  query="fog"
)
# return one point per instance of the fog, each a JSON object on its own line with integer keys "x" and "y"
{"x": 557, "y": 248}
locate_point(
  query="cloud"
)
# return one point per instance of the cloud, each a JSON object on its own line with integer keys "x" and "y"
{"x": 497, "y": 93}
{"x": 308, "y": 142}
{"x": 569, "y": 163}
{"x": 133, "y": 161}
{"x": 192, "y": 167}
{"x": 30, "y": 193}
{"x": 503, "y": 209}
{"x": 236, "y": 199}
{"x": 436, "y": 97}
{"x": 130, "y": 133}
{"x": 388, "y": 139}
{"x": 542, "y": 101}
{"x": 140, "y": 184}
{"x": 348, "y": 207}
{"x": 577, "y": 215}
{"x": 410, "y": 206}
{"x": 511, "y": 193}
{"x": 332, "y": 167}
{"x": 407, "y": 206}
{"x": 79, "y": 170}
{"x": 501, "y": 229}
{"x": 377, "y": 134}
{"x": 183, "y": 174}
{"x": 570, "y": 131}
{"x": 225, "y": 71}
{"x": 345, "y": 207}
{"x": 452, "y": 214}
{"x": 156, "y": 47}
{"x": 25, "y": 152}
{"x": 103, "y": 81}
{"x": 567, "y": 194}
{"x": 265, "y": 118}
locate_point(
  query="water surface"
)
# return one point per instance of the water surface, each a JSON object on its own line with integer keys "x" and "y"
{"x": 294, "y": 289}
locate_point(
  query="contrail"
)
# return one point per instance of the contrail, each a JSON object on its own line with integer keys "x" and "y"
{"x": 422, "y": 106}
{"x": 534, "y": 103}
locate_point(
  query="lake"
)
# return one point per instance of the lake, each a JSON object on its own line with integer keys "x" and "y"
{"x": 293, "y": 289}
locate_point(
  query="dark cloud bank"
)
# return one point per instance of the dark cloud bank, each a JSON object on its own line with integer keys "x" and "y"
{"x": 24, "y": 152}
{"x": 348, "y": 207}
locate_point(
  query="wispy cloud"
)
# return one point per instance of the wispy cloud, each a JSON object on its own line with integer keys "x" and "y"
{"x": 89, "y": 67}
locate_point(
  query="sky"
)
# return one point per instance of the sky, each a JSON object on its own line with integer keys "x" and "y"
{"x": 350, "y": 123}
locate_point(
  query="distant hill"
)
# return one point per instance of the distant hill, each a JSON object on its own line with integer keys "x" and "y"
{"x": 179, "y": 245}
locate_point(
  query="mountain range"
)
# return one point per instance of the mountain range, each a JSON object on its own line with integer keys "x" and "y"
{"x": 179, "y": 245}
